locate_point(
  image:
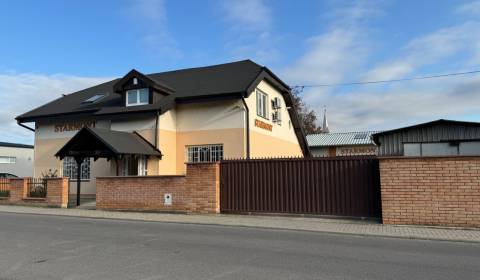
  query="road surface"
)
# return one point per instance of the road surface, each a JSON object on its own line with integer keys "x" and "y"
{"x": 52, "y": 247}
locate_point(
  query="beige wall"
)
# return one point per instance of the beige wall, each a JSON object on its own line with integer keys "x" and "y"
{"x": 220, "y": 122}
{"x": 282, "y": 140}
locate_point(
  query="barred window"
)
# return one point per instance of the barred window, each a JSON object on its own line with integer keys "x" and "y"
{"x": 70, "y": 168}
{"x": 205, "y": 153}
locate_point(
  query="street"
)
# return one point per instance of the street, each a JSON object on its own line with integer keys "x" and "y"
{"x": 53, "y": 247}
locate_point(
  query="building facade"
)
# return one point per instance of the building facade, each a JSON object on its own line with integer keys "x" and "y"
{"x": 16, "y": 160}
{"x": 153, "y": 124}
{"x": 341, "y": 144}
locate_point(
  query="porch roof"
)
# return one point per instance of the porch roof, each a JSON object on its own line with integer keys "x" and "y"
{"x": 105, "y": 143}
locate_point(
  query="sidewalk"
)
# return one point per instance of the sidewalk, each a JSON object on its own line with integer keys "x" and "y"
{"x": 336, "y": 226}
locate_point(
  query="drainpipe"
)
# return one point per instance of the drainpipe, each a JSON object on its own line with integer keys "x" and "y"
{"x": 157, "y": 116}
{"x": 24, "y": 126}
{"x": 247, "y": 126}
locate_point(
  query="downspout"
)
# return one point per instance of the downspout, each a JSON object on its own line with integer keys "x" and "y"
{"x": 247, "y": 127}
{"x": 157, "y": 114}
{"x": 24, "y": 126}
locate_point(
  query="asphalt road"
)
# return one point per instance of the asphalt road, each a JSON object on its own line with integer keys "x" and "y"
{"x": 51, "y": 247}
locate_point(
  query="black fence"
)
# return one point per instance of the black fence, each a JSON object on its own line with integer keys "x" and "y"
{"x": 37, "y": 187}
{"x": 339, "y": 186}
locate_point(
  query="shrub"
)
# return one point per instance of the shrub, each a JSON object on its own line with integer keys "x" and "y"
{"x": 4, "y": 193}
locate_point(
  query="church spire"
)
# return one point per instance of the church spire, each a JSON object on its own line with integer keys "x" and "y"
{"x": 325, "y": 128}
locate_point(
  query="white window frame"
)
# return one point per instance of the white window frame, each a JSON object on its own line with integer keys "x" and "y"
{"x": 8, "y": 160}
{"x": 262, "y": 104}
{"x": 70, "y": 169}
{"x": 137, "y": 93}
{"x": 204, "y": 153}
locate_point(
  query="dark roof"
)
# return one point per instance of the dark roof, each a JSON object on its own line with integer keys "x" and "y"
{"x": 97, "y": 142}
{"x": 216, "y": 80}
{"x": 229, "y": 80}
{"x": 376, "y": 136}
{"x": 15, "y": 145}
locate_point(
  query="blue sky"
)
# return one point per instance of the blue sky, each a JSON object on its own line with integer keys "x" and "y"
{"x": 56, "y": 47}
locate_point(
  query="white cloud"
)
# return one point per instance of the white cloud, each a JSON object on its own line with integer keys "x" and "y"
{"x": 21, "y": 92}
{"x": 251, "y": 15}
{"x": 471, "y": 8}
{"x": 151, "y": 16}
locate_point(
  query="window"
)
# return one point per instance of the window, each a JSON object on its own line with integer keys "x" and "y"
{"x": 94, "y": 98}
{"x": 8, "y": 160}
{"x": 206, "y": 153}
{"x": 137, "y": 97}
{"x": 70, "y": 168}
{"x": 262, "y": 104}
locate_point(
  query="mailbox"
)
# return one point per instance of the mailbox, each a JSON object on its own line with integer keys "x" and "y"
{"x": 168, "y": 199}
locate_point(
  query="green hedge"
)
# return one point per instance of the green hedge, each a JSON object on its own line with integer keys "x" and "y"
{"x": 4, "y": 193}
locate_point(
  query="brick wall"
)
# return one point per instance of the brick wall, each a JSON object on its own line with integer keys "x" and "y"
{"x": 442, "y": 191}
{"x": 57, "y": 193}
{"x": 197, "y": 192}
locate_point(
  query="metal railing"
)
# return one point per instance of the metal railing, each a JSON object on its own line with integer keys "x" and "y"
{"x": 37, "y": 187}
{"x": 4, "y": 187}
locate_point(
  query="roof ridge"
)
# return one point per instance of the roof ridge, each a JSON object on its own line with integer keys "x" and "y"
{"x": 348, "y": 132}
{"x": 203, "y": 67}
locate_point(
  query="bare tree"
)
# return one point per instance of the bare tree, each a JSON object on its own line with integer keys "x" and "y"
{"x": 308, "y": 117}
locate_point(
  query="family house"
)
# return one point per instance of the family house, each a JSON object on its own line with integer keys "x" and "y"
{"x": 152, "y": 124}
{"x": 16, "y": 160}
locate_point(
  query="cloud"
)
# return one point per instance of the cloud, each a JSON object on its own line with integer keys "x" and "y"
{"x": 471, "y": 8}
{"x": 21, "y": 92}
{"x": 431, "y": 49}
{"x": 251, "y": 30}
{"x": 342, "y": 54}
{"x": 248, "y": 15}
{"x": 151, "y": 17}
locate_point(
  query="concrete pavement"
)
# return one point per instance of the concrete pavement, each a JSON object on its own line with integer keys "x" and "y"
{"x": 59, "y": 247}
{"x": 272, "y": 222}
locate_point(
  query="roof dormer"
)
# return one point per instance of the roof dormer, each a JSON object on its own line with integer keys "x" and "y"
{"x": 138, "y": 89}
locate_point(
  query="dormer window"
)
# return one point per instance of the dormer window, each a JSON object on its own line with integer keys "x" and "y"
{"x": 137, "y": 97}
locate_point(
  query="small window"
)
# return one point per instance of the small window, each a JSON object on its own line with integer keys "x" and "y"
{"x": 360, "y": 136}
{"x": 70, "y": 168}
{"x": 204, "y": 153}
{"x": 137, "y": 97}
{"x": 262, "y": 104}
{"x": 94, "y": 98}
{"x": 8, "y": 160}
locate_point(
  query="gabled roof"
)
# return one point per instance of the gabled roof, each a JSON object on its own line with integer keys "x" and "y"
{"x": 211, "y": 81}
{"x": 96, "y": 143}
{"x": 422, "y": 125}
{"x": 340, "y": 139}
{"x": 15, "y": 145}
{"x": 158, "y": 85}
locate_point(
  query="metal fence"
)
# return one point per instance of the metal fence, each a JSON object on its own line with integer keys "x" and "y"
{"x": 4, "y": 187}
{"x": 340, "y": 186}
{"x": 37, "y": 187}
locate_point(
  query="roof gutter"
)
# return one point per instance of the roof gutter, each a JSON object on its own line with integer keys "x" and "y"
{"x": 24, "y": 126}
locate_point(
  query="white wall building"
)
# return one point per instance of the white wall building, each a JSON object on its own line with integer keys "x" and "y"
{"x": 16, "y": 159}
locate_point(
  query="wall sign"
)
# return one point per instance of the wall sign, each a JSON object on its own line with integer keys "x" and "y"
{"x": 263, "y": 125}
{"x": 74, "y": 126}
{"x": 348, "y": 151}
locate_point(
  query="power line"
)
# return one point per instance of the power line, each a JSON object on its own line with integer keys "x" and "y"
{"x": 389, "y": 81}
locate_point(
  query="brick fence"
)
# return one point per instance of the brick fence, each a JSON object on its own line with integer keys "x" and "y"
{"x": 442, "y": 191}
{"x": 57, "y": 193}
{"x": 196, "y": 192}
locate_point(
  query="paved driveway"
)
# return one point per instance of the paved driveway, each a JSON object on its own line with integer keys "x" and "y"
{"x": 53, "y": 247}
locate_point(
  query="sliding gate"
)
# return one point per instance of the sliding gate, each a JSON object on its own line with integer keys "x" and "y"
{"x": 347, "y": 186}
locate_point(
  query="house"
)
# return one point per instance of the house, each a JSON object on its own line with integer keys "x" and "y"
{"x": 16, "y": 160}
{"x": 436, "y": 138}
{"x": 152, "y": 124}
{"x": 341, "y": 144}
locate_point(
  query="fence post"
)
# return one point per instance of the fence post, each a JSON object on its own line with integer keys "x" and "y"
{"x": 57, "y": 192}
{"x": 25, "y": 187}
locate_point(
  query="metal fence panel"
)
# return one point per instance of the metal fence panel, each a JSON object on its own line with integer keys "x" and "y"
{"x": 37, "y": 187}
{"x": 336, "y": 186}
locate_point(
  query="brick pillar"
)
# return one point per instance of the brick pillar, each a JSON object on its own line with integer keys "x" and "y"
{"x": 18, "y": 189}
{"x": 57, "y": 192}
{"x": 203, "y": 186}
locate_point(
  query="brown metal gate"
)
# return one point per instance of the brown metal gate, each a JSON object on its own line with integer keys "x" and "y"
{"x": 348, "y": 186}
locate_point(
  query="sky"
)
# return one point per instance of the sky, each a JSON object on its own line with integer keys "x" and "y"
{"x": 52, "y": 48}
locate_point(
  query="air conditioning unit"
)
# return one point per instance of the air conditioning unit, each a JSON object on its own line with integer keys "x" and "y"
{"x": 276, "y": 103}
